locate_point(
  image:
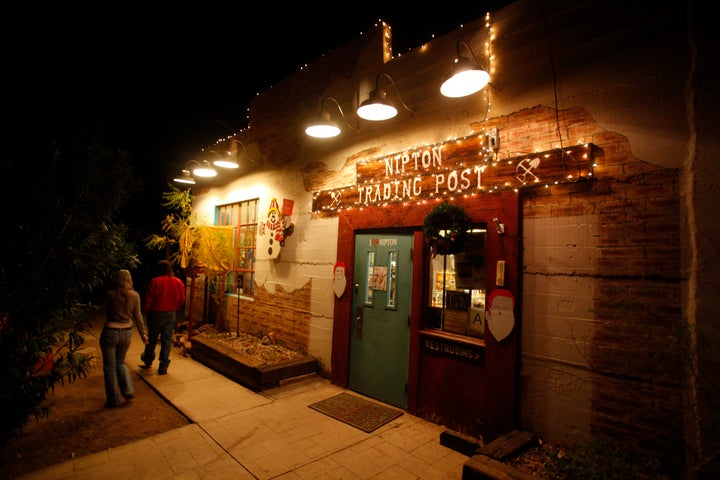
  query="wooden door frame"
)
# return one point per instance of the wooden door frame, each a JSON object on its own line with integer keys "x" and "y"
{"x": 481, "y": 208}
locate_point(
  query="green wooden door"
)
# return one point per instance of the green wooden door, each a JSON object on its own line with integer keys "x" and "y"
{"x": 380, "y": 330}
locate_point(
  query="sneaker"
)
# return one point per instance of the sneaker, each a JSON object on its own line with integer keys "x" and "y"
{"x": 162, "y": 371}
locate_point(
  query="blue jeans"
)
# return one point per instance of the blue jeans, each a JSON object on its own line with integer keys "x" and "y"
{"x": 114, "y": 345}
{"x": 161, "y": 326}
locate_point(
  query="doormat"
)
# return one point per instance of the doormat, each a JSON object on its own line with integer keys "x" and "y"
{"x": 355, "y": 411}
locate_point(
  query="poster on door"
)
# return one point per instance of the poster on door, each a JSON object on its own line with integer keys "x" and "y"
{"x": 380, "y": 278}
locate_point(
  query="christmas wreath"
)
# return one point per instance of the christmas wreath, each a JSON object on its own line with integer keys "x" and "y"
{"x": 453, "y": 222}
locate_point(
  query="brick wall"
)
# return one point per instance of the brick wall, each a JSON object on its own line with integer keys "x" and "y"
{"x": 601, "y": 307}
{"x": 282, "y": 312}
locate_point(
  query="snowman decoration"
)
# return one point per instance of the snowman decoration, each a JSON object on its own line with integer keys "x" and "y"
{"x": 275, "y": 229}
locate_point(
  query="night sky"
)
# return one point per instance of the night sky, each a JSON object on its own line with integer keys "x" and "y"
{"x": 166, "y": 79}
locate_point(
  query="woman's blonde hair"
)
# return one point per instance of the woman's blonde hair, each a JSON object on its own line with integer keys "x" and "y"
{"x": 123, "y": 284}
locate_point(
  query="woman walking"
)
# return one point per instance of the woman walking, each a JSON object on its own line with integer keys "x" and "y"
{"x": 122, "y": 305}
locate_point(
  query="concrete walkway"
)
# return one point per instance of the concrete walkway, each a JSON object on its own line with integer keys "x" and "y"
{"x": 241, "y": 434}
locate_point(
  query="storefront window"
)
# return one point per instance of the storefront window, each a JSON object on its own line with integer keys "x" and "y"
{"x": 457, "y": 287}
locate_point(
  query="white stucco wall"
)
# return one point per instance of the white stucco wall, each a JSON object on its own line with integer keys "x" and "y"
{"x": 308, "y": 255}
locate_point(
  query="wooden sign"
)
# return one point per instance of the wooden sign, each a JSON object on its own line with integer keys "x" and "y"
{"x": 449, "y": 348}
{"x": 453, "y": 168}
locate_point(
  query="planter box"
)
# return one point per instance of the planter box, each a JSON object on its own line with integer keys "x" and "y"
{"x": 245, "y": 370}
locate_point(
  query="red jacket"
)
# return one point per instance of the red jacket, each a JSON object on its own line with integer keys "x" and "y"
{"x": 165, "y": 293}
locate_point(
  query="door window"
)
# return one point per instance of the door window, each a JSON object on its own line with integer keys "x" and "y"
{"x": 392, "y": 279}
{"x": 370, "y": 278}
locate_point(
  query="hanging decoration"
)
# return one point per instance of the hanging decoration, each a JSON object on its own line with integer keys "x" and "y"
{"x": 277, "y": 227}
{"x": 500, "y": 317}
{"x": 445, "y": 229}
{"x": 339, "y": 279}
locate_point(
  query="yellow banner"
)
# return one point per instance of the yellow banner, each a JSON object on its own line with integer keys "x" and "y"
{"x": 208, "y": 247}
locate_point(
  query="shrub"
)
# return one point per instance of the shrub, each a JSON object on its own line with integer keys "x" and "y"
{"x": 60, "y": 243}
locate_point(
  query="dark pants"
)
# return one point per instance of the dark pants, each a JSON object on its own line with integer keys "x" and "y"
{"x": 161, "y": 326}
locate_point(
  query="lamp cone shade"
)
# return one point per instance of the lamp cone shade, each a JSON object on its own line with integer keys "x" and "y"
{"x": 466, "y": 79}
{"x": 226, "y": 163}
{"x": 377, "y": 107}
{"x": 204, "y": 170}
{"x": 185, "y": 178}
{"x": 322, "y": 127}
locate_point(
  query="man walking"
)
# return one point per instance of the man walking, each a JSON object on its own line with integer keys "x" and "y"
{"x": 165, "y": 295}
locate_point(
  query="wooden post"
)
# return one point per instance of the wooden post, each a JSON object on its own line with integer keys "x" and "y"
{"x": 190, "y": 310}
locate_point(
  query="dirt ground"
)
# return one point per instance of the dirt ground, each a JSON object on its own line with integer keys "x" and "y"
{"x": 79, "y": 424}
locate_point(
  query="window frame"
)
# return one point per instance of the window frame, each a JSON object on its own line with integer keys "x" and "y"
{"x": 243, "y": 216}
{"x": 443, "y": 279}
